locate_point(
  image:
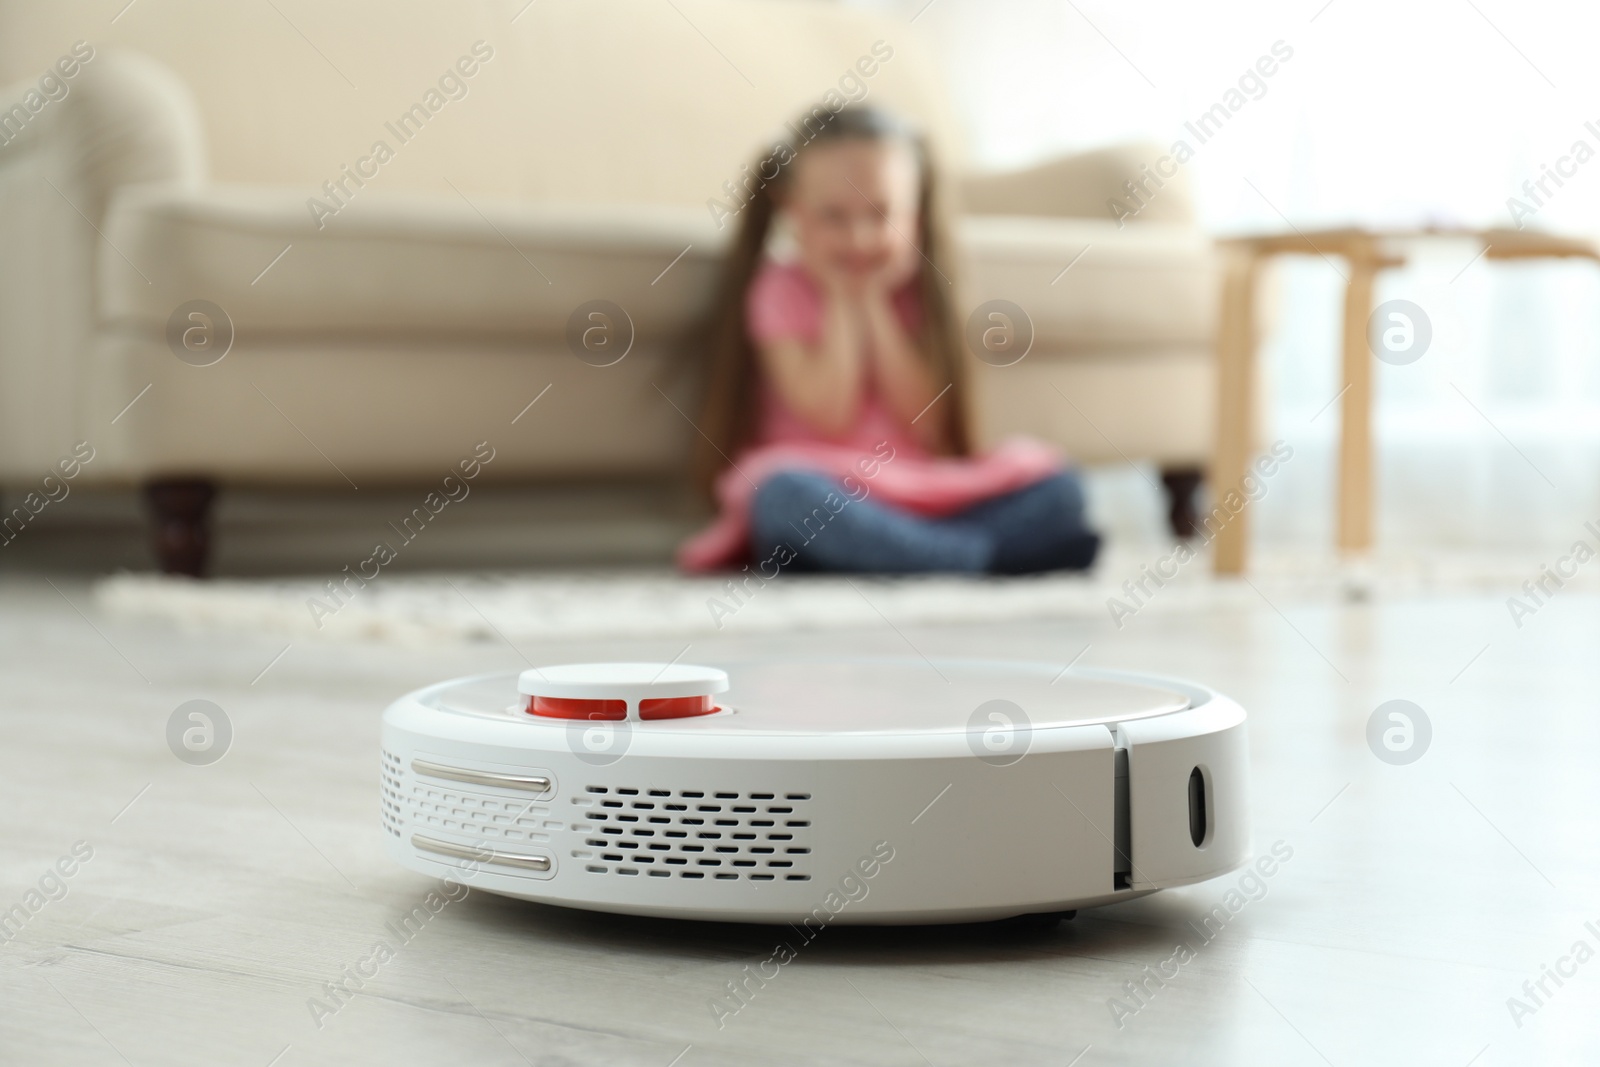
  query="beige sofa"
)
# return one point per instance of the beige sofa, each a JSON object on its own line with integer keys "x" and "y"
{"x": 538, "y": 157}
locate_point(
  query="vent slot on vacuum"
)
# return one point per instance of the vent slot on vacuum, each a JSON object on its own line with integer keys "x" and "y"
{"x": 693, "y": 834}
{"x": 392, "y": 773}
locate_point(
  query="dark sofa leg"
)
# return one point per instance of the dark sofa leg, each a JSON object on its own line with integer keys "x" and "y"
{"x": 1181, "y": 484}
{"x": 180, "y": 512}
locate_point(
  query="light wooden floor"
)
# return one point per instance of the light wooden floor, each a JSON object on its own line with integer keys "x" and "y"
{"x": 219, "y": 899}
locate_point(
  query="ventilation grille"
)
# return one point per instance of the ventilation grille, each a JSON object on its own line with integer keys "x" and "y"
{"x": 686, "y": 833}
{"x": 393, "y": 793}
{"x": 455, "y": 810}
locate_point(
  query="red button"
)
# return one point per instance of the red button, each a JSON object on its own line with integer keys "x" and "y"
{"x": 571, "y": 708}
{"x": 675, "y": 707}
{"x": 617, "y": 710}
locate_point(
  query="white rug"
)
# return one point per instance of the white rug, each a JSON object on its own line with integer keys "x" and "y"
{"x": 428, "y": 608}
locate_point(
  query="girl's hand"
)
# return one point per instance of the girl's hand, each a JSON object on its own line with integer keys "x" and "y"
{"x": 878, "y": 286}
{"x": 822, "y": 382}
{"x": 875, "y": 285}
{"x": 834, "y": 281}
{"x": 899, "y": 369}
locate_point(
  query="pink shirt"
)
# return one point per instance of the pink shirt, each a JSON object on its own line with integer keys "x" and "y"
{"x": 783, "y": 303}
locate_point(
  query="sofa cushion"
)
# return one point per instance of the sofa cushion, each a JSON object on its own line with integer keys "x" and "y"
{"x": 420, "y": 266}
{"x": 401, "y": 265}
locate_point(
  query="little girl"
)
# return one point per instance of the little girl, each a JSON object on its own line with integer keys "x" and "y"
{"x": 835, "y": 432}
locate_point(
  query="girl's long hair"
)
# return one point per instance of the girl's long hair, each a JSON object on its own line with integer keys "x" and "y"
{"x": 728, "y": 418}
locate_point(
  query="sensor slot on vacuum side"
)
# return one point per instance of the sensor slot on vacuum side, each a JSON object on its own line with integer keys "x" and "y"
{"x": 1122, "y": 825}
{"x": 1199, "y": 817}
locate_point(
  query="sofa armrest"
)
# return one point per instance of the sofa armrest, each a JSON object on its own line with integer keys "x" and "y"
{"x": 124, "y": 119}
{"x": 1090, "y": 288}
{"x": 1084, "y": 185}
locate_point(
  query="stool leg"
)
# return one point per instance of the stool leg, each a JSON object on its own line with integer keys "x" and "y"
{"x": 1236, "y": 401}
{"x": 1355, "y": 412}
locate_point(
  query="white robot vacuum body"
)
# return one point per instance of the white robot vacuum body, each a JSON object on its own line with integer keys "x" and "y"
{"x": 880, "y": 791}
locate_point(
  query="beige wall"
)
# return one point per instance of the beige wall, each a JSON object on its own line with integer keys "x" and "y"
{"x": 584, "y": 100}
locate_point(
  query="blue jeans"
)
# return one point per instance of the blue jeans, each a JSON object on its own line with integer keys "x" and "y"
{"x": 1040, "y": 527}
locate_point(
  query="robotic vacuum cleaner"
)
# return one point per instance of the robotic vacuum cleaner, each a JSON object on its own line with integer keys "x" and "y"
{"x": 867, "y": 791}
